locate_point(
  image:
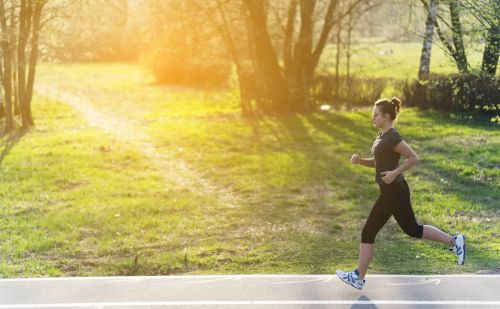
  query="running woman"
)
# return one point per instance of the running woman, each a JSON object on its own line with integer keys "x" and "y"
{"x": 394, "y": 198}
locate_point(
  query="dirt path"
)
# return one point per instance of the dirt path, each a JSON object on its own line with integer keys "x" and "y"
{"x": 124, "y": 130}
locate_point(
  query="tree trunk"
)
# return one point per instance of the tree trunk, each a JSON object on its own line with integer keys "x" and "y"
{"x": 13, "y": 63}
{"x": 268, "y": 69}
{"x": 24, "y": 24}
{"x": 425, "y": 58}
{"x": 458, "y": 38}
{"x": 289, "y": 30}
{"x": 37, "y": 13}
{"x": 337, "y": 60}
{"x": 491, "y": 50}
{"x": 298, "y": 75}
{"x": 6, "y": 69}
{"x": 348, "y": 61}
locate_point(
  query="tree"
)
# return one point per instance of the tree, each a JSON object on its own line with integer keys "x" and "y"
{"x": 353, "y": 16}
{"x": 268, "y": 69}
{"x": 483, "y": 17}
{"x": 274, "y": 45}
{"x": 487, "y": 13}
{"x": 29, "y": 28}
{"x": 18, "y": 72}
{"x": 305, "y": 33}
{"x": 6, "y": 69}
{"x": 425, "y": 59}
{"x": 182, "y": 46}
{"x": 454, "y": 46}
{"x": 97, "y": 30}
{"x": 458, "y": 37}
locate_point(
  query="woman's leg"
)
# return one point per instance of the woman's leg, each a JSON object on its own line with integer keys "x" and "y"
{"x": 365, "y": 256}
{"x": 403, "y": 213}
{"x": 379, "y": 215}
{"x": 435, "y": 234}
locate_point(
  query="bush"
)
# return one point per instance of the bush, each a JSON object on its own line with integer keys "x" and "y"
{"x": 364, "y": 90}
{"x": 169, "y": 68}
{"x": 477, "y": 95}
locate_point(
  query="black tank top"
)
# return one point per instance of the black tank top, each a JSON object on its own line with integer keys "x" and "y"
{"x": 386, "y": 159}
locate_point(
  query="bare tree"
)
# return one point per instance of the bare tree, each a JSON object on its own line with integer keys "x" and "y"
{"x": 275, "y": 46}
{"x": 19, "y": 46}
{"x": 454, "y": 46}
{"x": 458, "y": 37}
{"x": 29, "y": 29}
{"x": 425, "y": 58}
{"x": 268, "y": 69}
{"x": 307, "y": 30}
{"x": 487, "y": 13}
{"x": 6, "y": 71}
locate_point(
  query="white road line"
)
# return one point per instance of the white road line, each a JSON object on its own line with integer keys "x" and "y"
{"x": 304, "y": 281}
{"x": 422, "y": 281}
{"x": 250, "y": 302}
{"x": 485, "y": 276}
{"x": 214, "y": 280}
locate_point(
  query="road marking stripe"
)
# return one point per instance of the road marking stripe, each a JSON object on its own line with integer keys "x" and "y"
{"x": 305, "y": 281}
{"x": 249, "y": 302}
{"x": 422, "y": 281}
{"x": 485, "y": 276}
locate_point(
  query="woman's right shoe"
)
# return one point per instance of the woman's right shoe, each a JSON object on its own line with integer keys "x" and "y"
{"x": 459, "y": 248}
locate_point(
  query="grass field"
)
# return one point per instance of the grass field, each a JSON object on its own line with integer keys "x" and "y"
{"x": 274, "y": 195}
{"x": 395, "y": 60}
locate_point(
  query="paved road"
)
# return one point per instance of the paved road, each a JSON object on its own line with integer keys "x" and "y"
{"x": 263, "y": 291}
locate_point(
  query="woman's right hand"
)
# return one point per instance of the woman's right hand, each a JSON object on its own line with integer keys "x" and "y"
{"x": 355, "y": 159}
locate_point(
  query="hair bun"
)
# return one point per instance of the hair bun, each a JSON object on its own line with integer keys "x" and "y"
{"x": 397, "y": 103}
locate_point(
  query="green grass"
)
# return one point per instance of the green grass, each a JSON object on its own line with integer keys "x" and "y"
{"x": 75, "y": 200}
{"x": 394, "y": 60}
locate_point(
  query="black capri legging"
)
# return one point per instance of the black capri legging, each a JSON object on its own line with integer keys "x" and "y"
{"x": 394, "y": 200}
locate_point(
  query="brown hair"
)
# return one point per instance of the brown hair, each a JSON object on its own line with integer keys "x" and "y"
{"x": 389, "y": 106}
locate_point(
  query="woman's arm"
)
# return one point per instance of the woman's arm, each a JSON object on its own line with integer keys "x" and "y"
{"x": 356, "y": 159}
{"x": 411, "y": 159}
{"x": 367, "y": 162}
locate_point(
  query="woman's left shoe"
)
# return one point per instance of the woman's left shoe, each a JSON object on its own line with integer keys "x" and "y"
{"x": 351, "y": 278}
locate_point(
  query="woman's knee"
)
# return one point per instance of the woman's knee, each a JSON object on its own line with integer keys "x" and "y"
{"x": 416, "y": 230}
{"x": 367, "y": 236}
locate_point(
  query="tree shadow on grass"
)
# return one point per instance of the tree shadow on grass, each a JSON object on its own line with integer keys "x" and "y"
{"x": 8, "y": 143}
{"x": 314, "y": 245}
{"x": 317, "y": 252}
{"x": 457, "y": 119}
{"x": 481, "y": 195}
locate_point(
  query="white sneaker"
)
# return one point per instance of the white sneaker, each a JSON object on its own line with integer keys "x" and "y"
{"x": 459, "y": 248}
{"x": 351, "y": 278}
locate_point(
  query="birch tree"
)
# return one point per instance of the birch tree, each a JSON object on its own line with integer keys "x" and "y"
{"x": 425, "y": 58}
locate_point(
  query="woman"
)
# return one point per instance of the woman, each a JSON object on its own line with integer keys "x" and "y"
{"x": 394, "y": 199}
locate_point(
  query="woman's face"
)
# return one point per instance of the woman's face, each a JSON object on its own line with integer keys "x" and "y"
{"x": 377, "y": 118}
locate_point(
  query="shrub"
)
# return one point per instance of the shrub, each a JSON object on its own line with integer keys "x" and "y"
{"x": 172, "y": 68}
{"x": 477, "y": 95}
{"x": 364, "y": 90}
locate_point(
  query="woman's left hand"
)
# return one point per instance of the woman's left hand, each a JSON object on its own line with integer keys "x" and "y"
{"x": 389, "y": 176}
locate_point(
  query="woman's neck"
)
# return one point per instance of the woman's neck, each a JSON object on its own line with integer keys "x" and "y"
{"x": 386, "y": 128}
